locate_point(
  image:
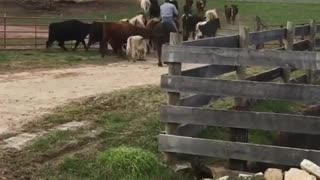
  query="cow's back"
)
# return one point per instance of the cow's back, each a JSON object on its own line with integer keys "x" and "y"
{"x": 69, "y": 30}
{"x": 122, "y": 31}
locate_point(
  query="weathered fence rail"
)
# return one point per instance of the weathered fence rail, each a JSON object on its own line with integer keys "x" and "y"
{"x": 224, "y": 55}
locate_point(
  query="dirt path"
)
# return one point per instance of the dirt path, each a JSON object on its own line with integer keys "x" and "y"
{"x": 25, "y": 96}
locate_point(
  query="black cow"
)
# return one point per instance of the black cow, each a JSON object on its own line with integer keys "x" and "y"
{"x": 189, "y": 23}
{"x": 190, "y": 20}
{"x": 154, "y": 11}
{"x": 95, "y": 33}
{"x": 67, "y": 31}
{"x": 160, "y": 35}
{"x": 209, "y": 28}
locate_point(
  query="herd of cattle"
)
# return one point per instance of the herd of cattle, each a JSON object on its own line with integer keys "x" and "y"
{"x": 141, "y": 33}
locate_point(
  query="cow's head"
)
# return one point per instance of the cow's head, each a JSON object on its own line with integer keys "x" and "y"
{"x": 189, "y": 2}
{"x": 234, "y": 10}
{"x": 200, "y": 5}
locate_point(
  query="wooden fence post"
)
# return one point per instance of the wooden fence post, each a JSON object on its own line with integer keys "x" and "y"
{"x": 173, "y": 98}
{"x": 288, "y": 47}
{"x": 312, "y": 40}
{"x": 280, "y": 40}
{"x": 240, "y": 135}
{"x": 259, "y": 28}
{"x": 5, "y": 31}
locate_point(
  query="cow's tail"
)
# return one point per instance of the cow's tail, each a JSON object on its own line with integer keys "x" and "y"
{"x": 129, "y": 46}
{"x": 50, "y": 36}
{"x": 145, "y": 46}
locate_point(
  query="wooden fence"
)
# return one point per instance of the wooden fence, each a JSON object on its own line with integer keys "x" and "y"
{"x": 186, "y": 116}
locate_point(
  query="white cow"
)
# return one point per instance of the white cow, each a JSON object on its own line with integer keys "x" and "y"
{"x": 145, "y": 5}
{"x": 125, "y": 20}
{"x": 136, "y": 48}
{"x": 210, "y": 16}
{"x": 139, "y": 20}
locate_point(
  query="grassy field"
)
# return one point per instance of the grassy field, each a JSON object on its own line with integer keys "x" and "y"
{"x": 272, "y": 13}
{"x": 13, "y": 61}
{"x": 125, "y": 119}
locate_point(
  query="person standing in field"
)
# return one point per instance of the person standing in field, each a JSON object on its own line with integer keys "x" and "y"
{"x": 168, "y": 12}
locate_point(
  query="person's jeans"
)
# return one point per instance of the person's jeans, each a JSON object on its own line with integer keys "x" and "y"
{"x": 170, "y": 20}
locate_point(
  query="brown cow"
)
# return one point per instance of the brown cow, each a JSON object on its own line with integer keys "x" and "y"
{"x": 117, "y": 34}
{"x": 160, "y": 35}
{"x": 231, "y": 13}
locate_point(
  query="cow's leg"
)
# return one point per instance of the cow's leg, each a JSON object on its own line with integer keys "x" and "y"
{"x": 148, "y": 46}
{"x": 49, "y": 43}
{"x": 185, "y": 35}
{"x": 76, "y": 45}
{"x": 84, "y": 44}
{"x": 159, "y": 50}
{"x": 103, "y": 47}
{"x": 61, "y": 44}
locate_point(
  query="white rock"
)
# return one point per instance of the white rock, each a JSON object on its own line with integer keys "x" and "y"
{"x": 223, "y": 178}
{"x": 310, "y": 167}
{"x": 297, "y": 174}
{"x": 19, "y": 141}
{"x": 245, "y": 176}
{"x": 273, "y": 174}
{"x": 258, "y": 174}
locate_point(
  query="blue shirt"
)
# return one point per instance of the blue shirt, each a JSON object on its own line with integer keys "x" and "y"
{"x": 168, "y": 10}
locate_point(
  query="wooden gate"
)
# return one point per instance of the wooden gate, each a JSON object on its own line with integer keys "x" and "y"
{"x": 234, "y": 53}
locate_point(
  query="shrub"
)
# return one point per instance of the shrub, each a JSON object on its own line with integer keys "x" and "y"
{"x": 130, "y": 162}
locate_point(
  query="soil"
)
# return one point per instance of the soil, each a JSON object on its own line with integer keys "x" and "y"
{"x": 25, "y": 96}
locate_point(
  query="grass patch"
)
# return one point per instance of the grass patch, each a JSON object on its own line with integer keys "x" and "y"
{"x": 278, "y": 107}
{"x": 128, "y": 119}
{"x": 127, "y": 162}
{"x": 26, "y": 60}
{"x": 54, "y": 140}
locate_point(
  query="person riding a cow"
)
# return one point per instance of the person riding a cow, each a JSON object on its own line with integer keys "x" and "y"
{"x": 168, "y": 13}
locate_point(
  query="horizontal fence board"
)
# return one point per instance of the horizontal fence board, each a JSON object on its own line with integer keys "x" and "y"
{"x": 241, "y": 119}
{"x": 303, "y": 30}
{"x": 318, "y": 28}
{"x": 198, "y": 100}
{"x": 301, "y": 45}
{"x": 224, "y": 41}
{"x": 300, "y": 79}
{"x": 260, "y": 37}
{"x": 236, "y": 150}
{"x": 267, "y": 75}
{"x": 208, "y": 71}
{"x": 243, "y": 57}
{"x": 317, "y": 43}
{"x": 246, "y": 89}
